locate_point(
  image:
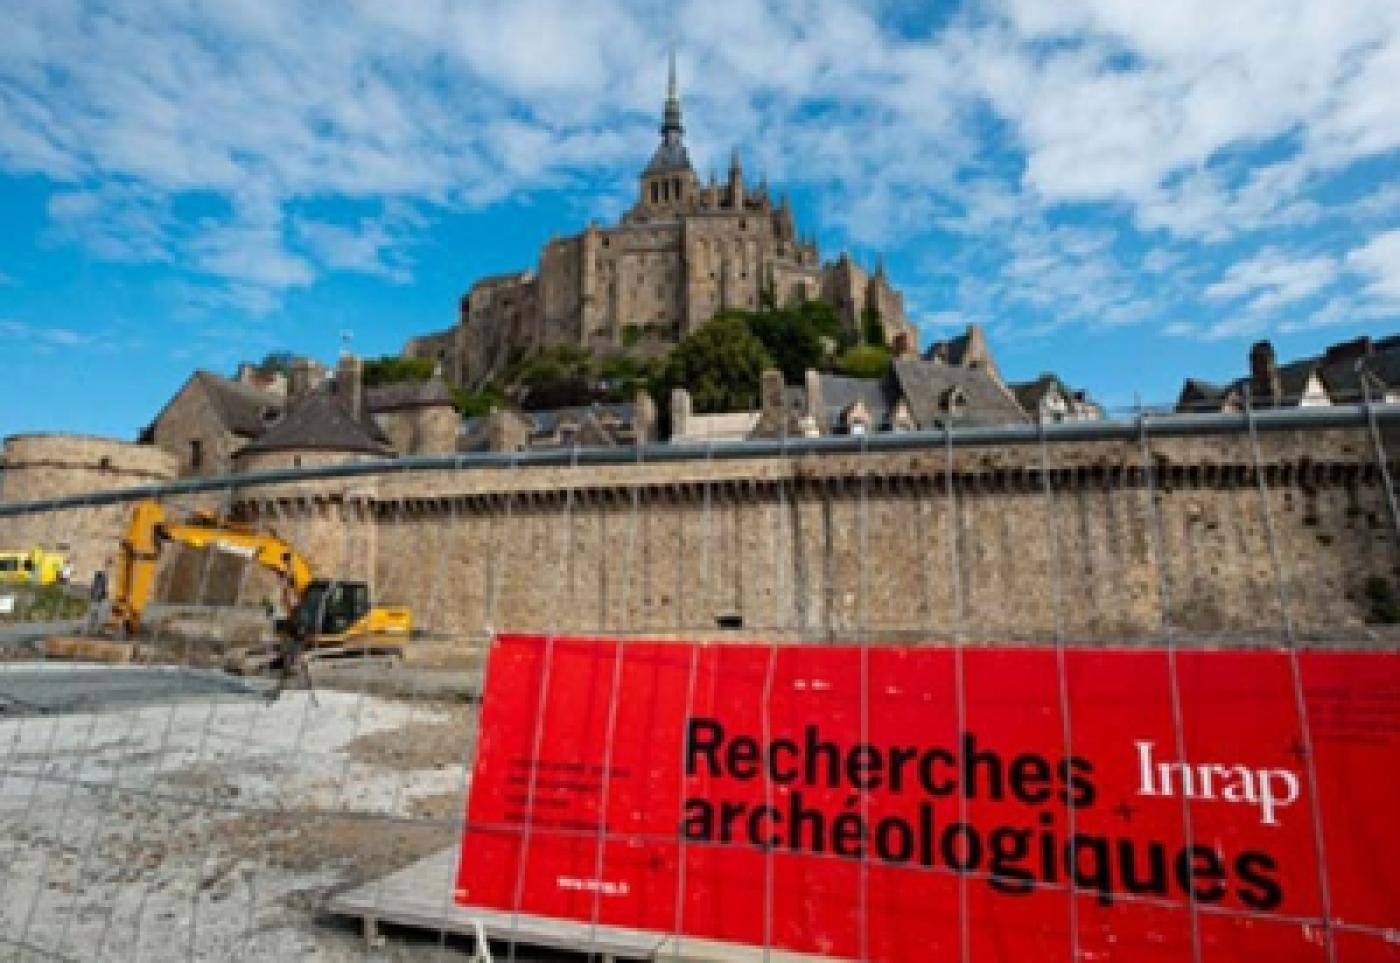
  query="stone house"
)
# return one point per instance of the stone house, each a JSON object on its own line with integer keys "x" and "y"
{"x": 328, "y": 423}
{"x": 212, "y": 421}
{"x": 1350, "y": 372}
{"x": 209, "y": 419}
{"x": 601, "y": 425}
{"x": 1047, "y": 399}
{"x": 957, "y": 383}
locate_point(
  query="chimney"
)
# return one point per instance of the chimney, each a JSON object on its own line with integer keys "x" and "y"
{"x": 506, "y": 431}
{"x": 1265, "y": 387}
{"x": 680, "y": 413}
{"x": 643, "y": 417}
{"x": 349, "y": 385}
{"x": 816, "y": 407}
{"x": 300, "y": 379}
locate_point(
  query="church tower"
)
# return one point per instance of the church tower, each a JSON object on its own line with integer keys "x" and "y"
{"x": 669, "y": 183}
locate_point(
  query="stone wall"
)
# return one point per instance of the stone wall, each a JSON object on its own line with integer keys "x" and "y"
{"x": 1086, "y": 540}
{"x": 881, "y": 545}
{"x": 189, "y": 419}
{"x": 52, "y": 466}
{"x": 420, "y": 430}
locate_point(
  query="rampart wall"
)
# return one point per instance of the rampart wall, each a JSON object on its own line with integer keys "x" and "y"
{"x": 1083, "y": 540}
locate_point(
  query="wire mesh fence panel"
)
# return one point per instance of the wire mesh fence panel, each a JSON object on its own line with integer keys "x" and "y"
{"x": 1113, "y": 691}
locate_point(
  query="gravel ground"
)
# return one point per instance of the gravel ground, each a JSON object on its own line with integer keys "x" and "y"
{"x": 216, "y": 829}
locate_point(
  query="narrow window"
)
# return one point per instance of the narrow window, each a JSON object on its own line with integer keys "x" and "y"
{"x": 196, "y": 453}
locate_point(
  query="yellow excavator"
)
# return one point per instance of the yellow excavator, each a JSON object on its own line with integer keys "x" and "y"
{"x": 325, "y": 616}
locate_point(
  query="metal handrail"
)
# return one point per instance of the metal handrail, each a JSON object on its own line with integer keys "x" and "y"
{"x": 1156, "y": 425}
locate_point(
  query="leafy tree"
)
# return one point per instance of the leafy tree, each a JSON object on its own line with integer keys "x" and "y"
{"x": 820, "y": 315}
{"x": 621, "y": 375}
{"x": 721, "y": 365}
{"x": 561, "y": 362}
{"x": 864, "y": 361}
{"x": 871, "y": 329}
{"x": 472, "y": 403}
{"x": 392, "y": 369}
{"x": 277, "y": 362}
{"x": 557, "y": 377}
{"x": 792, "y": 340}
{"x": 799, "y": 337}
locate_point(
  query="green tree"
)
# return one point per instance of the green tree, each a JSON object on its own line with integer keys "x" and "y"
{"x": 560, "y": 376}
{"x": 872, "y": 331}
{"x": 864, "y": 361}
{"x": 621, "y": 375}
{"x": 277, "y": 362}
{"x": 792, "y": 339}
{"x": 472, "y": 403}
{"x": 721, "y": 365}
{"x": 392, "y": 369}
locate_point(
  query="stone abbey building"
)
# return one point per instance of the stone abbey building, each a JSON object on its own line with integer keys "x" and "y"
{"x": 685, "y": 251}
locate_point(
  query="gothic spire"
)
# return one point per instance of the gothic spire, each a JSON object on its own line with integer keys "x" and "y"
{"x": 670, "y": 154}
{"x": 671, "y": 120}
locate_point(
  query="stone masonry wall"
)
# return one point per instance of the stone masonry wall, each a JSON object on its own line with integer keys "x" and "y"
{"x": 52, "y": 466}
{"x": 887, "y": 546}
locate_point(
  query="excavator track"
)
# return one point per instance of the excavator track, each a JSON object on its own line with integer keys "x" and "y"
{"x": 265, "y": 659}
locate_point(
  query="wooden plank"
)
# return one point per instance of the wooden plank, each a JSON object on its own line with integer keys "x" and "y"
{"x": 420, "y": 895}
{"x": 89, "y": 650}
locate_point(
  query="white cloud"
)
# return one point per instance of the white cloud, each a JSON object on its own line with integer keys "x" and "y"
{"x": 1144, "y": 103}
{"x": 1273, "y": 278}
{"x": 200, "y": 135}
{"x": 43, "y": 338}
{"x": 371, "y": 246}
{"x": 1378, "y": 262}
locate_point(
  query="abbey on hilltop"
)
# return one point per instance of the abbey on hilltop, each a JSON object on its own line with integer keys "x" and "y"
{"x": 684, "y": 252}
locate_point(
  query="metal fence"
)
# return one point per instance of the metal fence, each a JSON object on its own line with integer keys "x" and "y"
{"x": 165, "y": 809}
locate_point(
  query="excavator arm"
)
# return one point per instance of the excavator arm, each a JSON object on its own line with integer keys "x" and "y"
{"x": 149, "y": 531}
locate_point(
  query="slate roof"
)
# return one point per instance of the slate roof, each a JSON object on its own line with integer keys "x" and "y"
{"x": 243, "y": 409}
{"x": 839, "y": 392}
{"x": 547, "y": 422}
{"x": 408, "y": 394}
{"x": 1348, "y": 381}
{"x": 1198, "y": 395}
{"x": 952, "y": 350}
{"x": 1350, "y": 372}
{"x": 670, "y": 155}
{"x": 320, "y": 421}
{"x": 925, "y": 386}
{"x": 1294, "y": 377}
{"x": 1030, "y": 394}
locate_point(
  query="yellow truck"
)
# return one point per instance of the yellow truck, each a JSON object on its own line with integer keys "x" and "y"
{"x": 35, "y": 566}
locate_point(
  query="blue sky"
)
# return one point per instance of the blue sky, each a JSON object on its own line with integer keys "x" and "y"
{"x": 1125, "y": 192}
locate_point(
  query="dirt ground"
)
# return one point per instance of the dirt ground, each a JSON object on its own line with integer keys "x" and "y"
{"x": 218, "y": 830}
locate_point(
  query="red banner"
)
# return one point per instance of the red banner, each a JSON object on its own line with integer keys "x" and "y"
{"x": 913, "y": 802}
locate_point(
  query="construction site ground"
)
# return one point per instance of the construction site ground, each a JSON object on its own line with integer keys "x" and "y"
{"x": 137, "y": 802}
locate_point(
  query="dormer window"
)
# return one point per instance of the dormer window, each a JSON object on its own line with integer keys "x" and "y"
{"x": 954, "y": 401}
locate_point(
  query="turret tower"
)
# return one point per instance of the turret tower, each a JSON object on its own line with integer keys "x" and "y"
{"x": 669, "y": 183}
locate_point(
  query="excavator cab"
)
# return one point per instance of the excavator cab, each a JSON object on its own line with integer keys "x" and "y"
{"x": 329, "y": 607}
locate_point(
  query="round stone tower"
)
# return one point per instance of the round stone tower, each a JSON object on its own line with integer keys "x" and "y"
{"x": 43, "y": 466}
